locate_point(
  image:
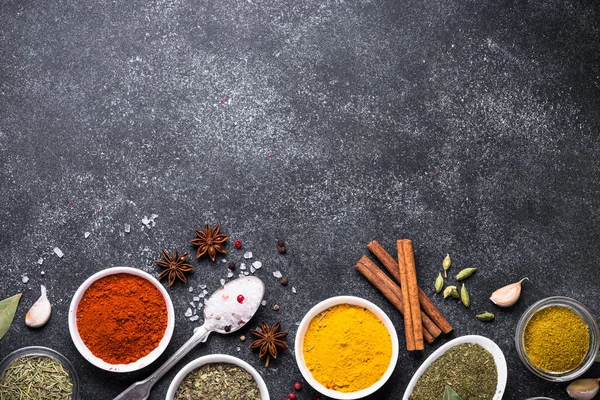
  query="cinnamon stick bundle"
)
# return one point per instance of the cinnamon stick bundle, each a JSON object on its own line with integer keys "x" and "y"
{"x": 426, "y": 305}
{"x": 410, "y": 292}
{"x": 392, "y": 292}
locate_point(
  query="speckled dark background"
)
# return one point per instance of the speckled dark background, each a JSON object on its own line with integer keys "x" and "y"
{"x": 470, "y": 127}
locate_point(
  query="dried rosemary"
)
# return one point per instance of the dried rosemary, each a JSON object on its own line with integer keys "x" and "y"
{"x": 218, "y": 381}
{"x": 468, "y": 369}
{"x": 36, "y": 378}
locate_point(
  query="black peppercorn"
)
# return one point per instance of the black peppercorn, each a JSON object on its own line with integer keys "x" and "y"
{"x": 231, "y": 265}
{"x": 284, "y": 281}
{"x": 281, "y": 247}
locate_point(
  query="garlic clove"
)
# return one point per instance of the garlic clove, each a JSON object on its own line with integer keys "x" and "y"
{"x": 507, "y": 295}
{"x": 39, "y": 313}
{"x": 583, "y": 389}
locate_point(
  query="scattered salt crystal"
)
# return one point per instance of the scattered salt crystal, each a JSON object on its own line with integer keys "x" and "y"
{"x": 222, "y": 281}
{"x": 43, "y": 273}
{"x": 127, "y": 228}
{"x": 202, "y": 295}
{"x": 248, "y": 254}
{"x": 246, "y": 273}
{"x": 230, "y": 274}
{"x": 153, "y": 216}
{"x": 241, "y": 275}
{"x": 238, "y": 349}
{"x": 205, "y": 292}
{"x": 293, "y": 289}
{"x": 263, "y": 303}
{"x": 194, "y": 311}
{"x": 257, "y": 264}
{"x": 191, "y": 289}
{"x": 223, "y": 260}
{"x": 194, "y": 318}
{"x": 25, "y": 279}
{"x": 192, "y": 304}
{"x": 252, "y": 269}
{"x": 188, "y": 312}
{"x": 196, "y": 298}
{"x": 277, "y": 274}
{"x": 58, "y": 252}
{"x": 40, "y": 261}
{"x": 200, "y": 305}
{"x": 86, "y": 235}
{"x": 203, "y": 287}
{"x": 242, "y": 266}
{"x": 149, "y": 222}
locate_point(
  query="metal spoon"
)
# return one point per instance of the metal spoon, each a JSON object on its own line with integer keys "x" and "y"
{"x": 227, "y": 310}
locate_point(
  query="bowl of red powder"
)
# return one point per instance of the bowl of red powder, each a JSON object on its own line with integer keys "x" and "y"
{"x": 121, "y": 319}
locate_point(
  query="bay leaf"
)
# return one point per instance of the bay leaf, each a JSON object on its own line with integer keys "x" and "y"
{"x": 8, "y": 307}
{"x": 450, "y": 394}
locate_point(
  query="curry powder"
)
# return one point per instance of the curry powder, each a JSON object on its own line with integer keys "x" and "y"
{"x": 347, "y": 348}
{"x": 556, "y": 339}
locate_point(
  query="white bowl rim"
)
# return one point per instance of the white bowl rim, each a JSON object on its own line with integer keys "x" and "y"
{"x": 484, "y": 342}
{"x": 142, "y": 362}
{"x": 322, "y": 306}
{"x": 217, "y": 358}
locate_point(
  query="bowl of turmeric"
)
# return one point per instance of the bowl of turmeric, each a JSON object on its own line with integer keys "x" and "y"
{"x": 346, "y": 347}
{"x": 121, "y": 319}
{"x": 557, "y": 338}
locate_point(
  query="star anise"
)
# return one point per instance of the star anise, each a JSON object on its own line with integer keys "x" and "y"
{"x": 209, "y": 241}
{"x": 269, "y": 340}
{"x": 175, "y": 266}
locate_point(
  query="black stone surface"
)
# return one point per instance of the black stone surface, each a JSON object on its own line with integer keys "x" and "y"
{"x": 469, "y": 127}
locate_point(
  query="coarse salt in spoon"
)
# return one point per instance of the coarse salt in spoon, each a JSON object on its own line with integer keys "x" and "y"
{"x": 227, "y": 310}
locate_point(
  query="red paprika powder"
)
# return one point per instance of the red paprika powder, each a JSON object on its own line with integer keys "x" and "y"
{"x": 121, "y": 318}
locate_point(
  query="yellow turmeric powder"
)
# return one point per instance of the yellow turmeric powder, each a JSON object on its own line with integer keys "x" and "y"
{"x": 556, "y": 339}
{"x": 347, "y": 348}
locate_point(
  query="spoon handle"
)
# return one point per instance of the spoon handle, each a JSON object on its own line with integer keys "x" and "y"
{"x": 141, "y": 390}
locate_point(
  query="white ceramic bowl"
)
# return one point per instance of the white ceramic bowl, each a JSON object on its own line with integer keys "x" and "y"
{"x": 324, "y": 305}
{"x": 217, "y": 358}
{"x": 480, "y": 340}
{"x": 142, "y": 362}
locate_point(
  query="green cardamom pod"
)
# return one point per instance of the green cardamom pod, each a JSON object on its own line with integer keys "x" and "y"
{"x": 465, "y": 273}
{"x": 451, "y": 291}
{"x": 446, "y": 264}
{"x": 464, "y": 296}
{"x": 486, "y": 316}
{"x": 439, "y": 283}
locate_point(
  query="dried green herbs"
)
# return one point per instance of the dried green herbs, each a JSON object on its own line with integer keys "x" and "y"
{"x": 468, "y": 369}
{"x": 36, "y": 378}
{"x": 218, "y": 381}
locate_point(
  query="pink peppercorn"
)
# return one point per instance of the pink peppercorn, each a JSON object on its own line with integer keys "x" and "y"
{"x": 238, "y": 244}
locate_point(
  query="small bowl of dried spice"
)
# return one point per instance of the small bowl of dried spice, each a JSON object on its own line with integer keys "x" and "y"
{"x": 557, "y": 338}
{"x": 41, "y": 372}
{"x": 346, "y": 347}
{"x": 471, "y": 366}
{"x": 121, "y": 319}
{"x": 218, "y": 377}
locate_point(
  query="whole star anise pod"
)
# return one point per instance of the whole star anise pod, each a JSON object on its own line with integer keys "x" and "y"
{"x": 269, "y": 340}
{"x": 174, "y": 265}
{"x": 209, "y": 241}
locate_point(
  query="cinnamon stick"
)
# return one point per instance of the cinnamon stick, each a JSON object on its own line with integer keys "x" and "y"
{"x": 392, "y": 292}
{"x": 392, "y": 266}
{"x": 408, "y": 283}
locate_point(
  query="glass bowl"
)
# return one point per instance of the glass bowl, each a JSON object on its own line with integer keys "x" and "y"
{"x": 588, "y": 318}
{"x": 33, "y": 351}
{"x": 324, "y": 305}
{"x": 98, "y": 362}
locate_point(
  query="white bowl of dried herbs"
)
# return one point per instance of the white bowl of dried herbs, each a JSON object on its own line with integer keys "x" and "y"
{"x": 470, "y": 366}
{"x": 218, "y": 377}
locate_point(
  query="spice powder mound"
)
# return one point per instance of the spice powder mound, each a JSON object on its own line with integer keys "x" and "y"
{"x": 122, "y": 318}
{"x": 347, "y": 348}
{"x": 556, "y": 339}
{"x": 467, "y": 368}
